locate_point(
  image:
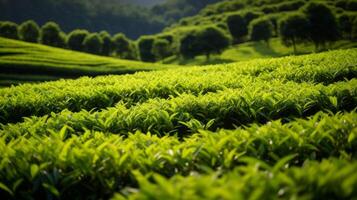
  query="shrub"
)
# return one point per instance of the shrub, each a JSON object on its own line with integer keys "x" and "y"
{"x": 345, "y": 25}
{"x": 161, "y": 49}
{"x": 341, "y": 4}
{"x": 52, "y": 35}
{"x": 93, "y": 43}
{"x": 188, "y": 48}
{"x": 261, "y": 29}
{"x": 290, "y": 6}
{"x": 145, "y": 44}
{"x": 29, "y": 31}
{"x": 123, "y": 46}
{"x": 351, "y": 5}
{"x": 237, "y": 26}
{"x": 75, "y": 39}
{"x": 251, "y": 15}
{"x": 108, "y": 44}
{"x": 212, "y": 40}
{"x": 9, "y": 30}
{"x": 354, "y": 29}
{"x": 323, "y": 26}
{"x": 204, "y": 41}
{"x": 293, "y": 29}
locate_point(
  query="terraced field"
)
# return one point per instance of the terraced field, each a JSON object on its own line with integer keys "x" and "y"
{"x": 281, "y": 128}
{"x": 22, "y": 62}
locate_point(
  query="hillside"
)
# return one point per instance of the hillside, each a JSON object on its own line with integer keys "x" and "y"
{"x": 228, "y": 31}
{"x": 27, "y": 62}
{"x": 255, "y": 50}
{"x": 280, "y": 128}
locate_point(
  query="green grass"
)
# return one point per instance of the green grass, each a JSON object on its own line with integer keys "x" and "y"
{"x": 22, "y": 62}
{"x": 255, "y": 50}
{"x": 282, "y": 128}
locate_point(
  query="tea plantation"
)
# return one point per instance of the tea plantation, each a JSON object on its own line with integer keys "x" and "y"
{"x": 22, "y": 62}
{"x": 283, "y": 128}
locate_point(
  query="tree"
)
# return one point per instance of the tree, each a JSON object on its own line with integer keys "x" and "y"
{"x": 76, "y": 38}
{"x": 108, "y": 44}
{"x": 145, "y": 44}
{"x": 293, "y": 29}
{"x": 161, "y": 49}
{"x": 29, "y": 31}
{"x": 212, "y": 40}
{"x": 204, "y": 41}
{"x": 237, "y": 26}
{"x": 9, "y": 30}
{"x": 122, "y": 45}
{"x": 52, "y": 35}
{"x": 261, "y": 29}
{"x": 251, "y": 15}
{"x": 93, "y": 43}
{"x": 323, "y": 26}
{"x": 354, "y": 29}
{"x": 345, "y": 25}
{"x": 188, "y": 47}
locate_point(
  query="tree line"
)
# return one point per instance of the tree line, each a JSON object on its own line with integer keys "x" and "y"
{"x": 50, "y": 34}
{"x": 314, "y": 23}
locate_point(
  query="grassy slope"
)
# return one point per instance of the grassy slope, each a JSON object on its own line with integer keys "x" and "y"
{"x": 27, "y": 62}
{"x": 254, "y": 50}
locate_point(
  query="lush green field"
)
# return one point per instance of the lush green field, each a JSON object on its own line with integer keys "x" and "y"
{"x": 26, "y": 62}
{"x": 254, "y": 50}
{"x": 280, "y": 128}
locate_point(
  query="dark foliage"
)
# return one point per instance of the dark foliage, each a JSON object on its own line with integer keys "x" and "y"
{"x": 204, "y": 41}
{"x": 323, "y": 26}
{"x": 237, "y": 26}
{"x": 75, "y": 39}
{"x": 52, "y": 35}
{"x": 173, "y": 10}
{"x": 29, "y": 31}
{"x": 9, "y": 30}
{"x": 124, "y": 47}
{"x": 92, "y": 15}
{"x": 93, "y": 43}
{"x": 108, "y": 44}
{"x": 261, "y": 29}
{"x": 145, "y": 44}
{"x": 293, "y": 29}
{"x": 161, "y": 49}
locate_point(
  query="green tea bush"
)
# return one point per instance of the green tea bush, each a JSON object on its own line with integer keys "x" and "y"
{"x": 270, "y": 128}
{"x": 38, "y": 100}
{"x": 100, "y": 164}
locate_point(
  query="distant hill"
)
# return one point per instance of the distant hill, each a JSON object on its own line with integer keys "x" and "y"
{"x": 94, "y": 15}
{"x": 131, "y": 17}
{"x": 173, "y": 10}
{"x": 146, "y": 3}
